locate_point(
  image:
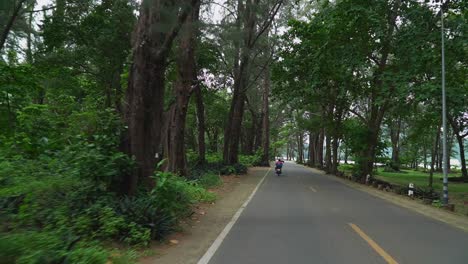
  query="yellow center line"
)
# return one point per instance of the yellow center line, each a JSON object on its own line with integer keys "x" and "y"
{"x": 312, "y": 189}
{"x": 373, "y": 245}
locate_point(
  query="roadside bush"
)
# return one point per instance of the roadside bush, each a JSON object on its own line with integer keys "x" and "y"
{"x": 177, "y": 194}
{"x": 250, "y": 160}
{"x": 49, "y": 247}
{"x": 227, "y": 170}
{"x": 210, "y": 180}
{"x": 214, "y": 158}
{"x": 240, "y": 168}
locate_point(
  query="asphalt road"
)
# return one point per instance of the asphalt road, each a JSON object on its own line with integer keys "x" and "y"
{"x": 304, "y": 217}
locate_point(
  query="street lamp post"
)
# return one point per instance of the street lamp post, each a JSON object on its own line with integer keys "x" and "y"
{"x": 444, "y": 112}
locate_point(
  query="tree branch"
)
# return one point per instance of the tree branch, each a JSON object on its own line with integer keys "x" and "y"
{"x": 358, "y": 115}
{"x": 40, "y": 10}
{"x": 172, "y": 34}
{"x": 268, "y": 22}
{"x": 10, "y": 23}
{"x": 225, "y": 7}
{"x": 261, "y": 72}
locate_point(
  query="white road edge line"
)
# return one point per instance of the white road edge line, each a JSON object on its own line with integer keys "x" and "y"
{"x": 219, "y": 240}
{"x": 312, "y": 189}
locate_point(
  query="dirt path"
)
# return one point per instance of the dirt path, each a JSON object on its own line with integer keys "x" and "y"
{"x": 207, "y": 222}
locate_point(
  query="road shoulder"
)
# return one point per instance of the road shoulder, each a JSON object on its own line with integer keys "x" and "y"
{"x": 438, "y": 214}
{"x": 207, "y": 222}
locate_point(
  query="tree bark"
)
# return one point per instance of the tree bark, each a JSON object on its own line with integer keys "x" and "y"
{"x": 433, "y": 157}
{"x": 368, "y": 156}
{"x": 266, "y": 118}
{"x": 146, "y": 85}
{"x": 300, "y": 148}
{"x": 236, "y": 70}
{"x": 395, "y": 139}
{"x": 462, "y": 157}
{"x": 312, "y": 149}
{"x": 425, "y": 156}
{"x": 232, "y": 134}
{"x": 461, "y": 146}
{"x": 29, "y": 55}
{"x": 250, "y": 36}
{"x": 185, "y": 84}
{"x": 440, "y": 157}
{"x": 320, "y": 148}
{"x": 200, "y": 124}
{"x": 335, "y": 146}
{"x": 258, "y": 133}
{"x": 328, "y": 155}
{"x": 449, "y": 151}
{"x": 117, "y": 88}
{"x": 379, "y": 102}
{"x": 346, "y": 154}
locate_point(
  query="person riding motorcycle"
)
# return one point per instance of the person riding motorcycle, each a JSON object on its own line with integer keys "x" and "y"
{"x": 278, "y": 166}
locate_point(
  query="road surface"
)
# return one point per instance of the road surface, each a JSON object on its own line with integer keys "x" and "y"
{"x": 305, "y": 217}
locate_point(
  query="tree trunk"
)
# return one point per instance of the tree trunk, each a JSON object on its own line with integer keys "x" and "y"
{"x": 177, "y": 162}
{"x": 186, "y": 69}
{"x": 346, "y": 154}
{"x": 249, "y": 137}
{"x": 440, "y": 156}
{"x": 425, "y": 156}
{"x": 300, "y": 148}
{"x": 146, "y": 85}
{"x": 200, "y": 123}
{"x": 258, "y": 133}
{"x": 117, "y": 88}
{"x": 312, "y": 149}
{"x": 462, "y": 157}
{"x": 10, "y": 23}
{"x": 328, "y": 155}
{"x": 249, "y": 15}
{"x": 214, "y": 141}
{"x": 335, "y": 145}
{"x": 449, "y": 152}
{"x": 395, "y": 138}
{"x": 378, "y": 101}
{"x": 368, "y": 156}
{"x": 319, "y": 150}
{"x": 29, "y": 55}
{"x": 457, "y": 131}
{"x": 433, "y": 157}
{"x": 237, "y": 51}
{"x": 266, "y": 118}
{"x": 10, "y": 114}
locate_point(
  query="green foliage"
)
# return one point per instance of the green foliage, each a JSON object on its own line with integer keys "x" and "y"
{"x": 49, "y": 247}
{"x": 214, "y": 165}
{"x": 437, "y": 203}
{"x": 251, "y": 160}
{"x": 210, "y": 180}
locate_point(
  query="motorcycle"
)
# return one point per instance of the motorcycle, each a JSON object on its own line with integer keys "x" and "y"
{"x": 278, "y": 171}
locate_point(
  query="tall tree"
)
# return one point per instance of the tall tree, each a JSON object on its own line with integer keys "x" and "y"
{"x": 158, "y": 25}
{"x": 253, "y": 29}
{"x": 186, "y": 83}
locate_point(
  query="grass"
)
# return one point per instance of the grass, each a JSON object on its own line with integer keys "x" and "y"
{"x": 420, "y": 179}
{"x": 458, "y": 192}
